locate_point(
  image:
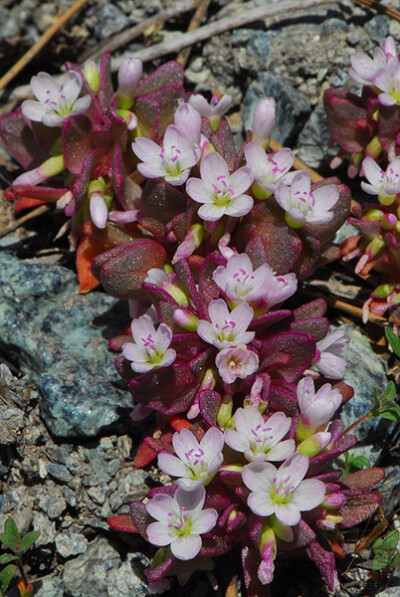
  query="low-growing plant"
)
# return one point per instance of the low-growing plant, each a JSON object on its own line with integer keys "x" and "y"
{"x": 18, "y": 546}
{"x": 367, "y": 129}
{"x": 207, "y": 241}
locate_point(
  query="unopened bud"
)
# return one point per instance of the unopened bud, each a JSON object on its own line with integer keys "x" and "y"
{"x": 224, "y": 412}
{"x": 129, "y": 75}
{"x": 389, "y": 221}
{"x": 264, "y": 121}
{"x": 50, "y": 167}
{"x": 315, "y": 444}
{"x": 186, "y": 319}
{"x": 192, "y": 240}
{"x": 92, "y": 75}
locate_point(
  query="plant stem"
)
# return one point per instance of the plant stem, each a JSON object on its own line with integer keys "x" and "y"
{"x": 358, "y": 422}
{"x": 22, "y": 571}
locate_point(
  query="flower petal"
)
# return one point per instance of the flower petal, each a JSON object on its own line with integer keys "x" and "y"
{"x": 186, "y": 547}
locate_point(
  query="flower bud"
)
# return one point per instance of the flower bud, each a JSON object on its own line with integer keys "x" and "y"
{"x": 92, "y": 75}
{"x": 225, "y": 412}
{"x": 389, "y": 221}
{"x": 186, "y": 319}
{"x": 50, "y": 167}
{"x": 188, "y": 121}
{"x": 129, "y": 75}
{"x": 315, "y": 444}
{"x": 190, "y": 243}
{"x": 264, "y": 121}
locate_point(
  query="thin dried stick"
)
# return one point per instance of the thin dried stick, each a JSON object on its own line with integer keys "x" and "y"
{"x": 125, "y": 37}
{"x": 390, "y": 12}
{"x": 298, "y": 164}
{"x": 232, "y": 589}
{"x": 41, "y": 42}
{"x": 245, "y": 17}
{"x": 30, "y": 216}
{"x": 343, "y": 306}
{"x": 195, "y": 23}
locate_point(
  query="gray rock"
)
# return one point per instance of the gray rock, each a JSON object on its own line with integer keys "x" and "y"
{"x": 292, "y": 107}
{"x": 70, "y": 544}
{"x": 45, "y": 527}
{"x": 365, "y": 372}
{"x": 110, "y": 20}
{"x": 53, "y": 503}
{"x": 59, "y": 472}
{"x": 378, "y": 28}
{"x": 11, "y": 421}
{"x": 69, "y": 361}
{"x": 125, "y": 582}
{"x": 390, "y": 489}
{"x": 88, "y": 574}
{"x": 313, "y": 141}
{"x": 51, "y": 586}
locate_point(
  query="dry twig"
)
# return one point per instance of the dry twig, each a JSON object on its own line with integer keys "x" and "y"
{"x": 197, "y": 18}
{"x": 244, "y": 17}
{"x": 41, "y": 42}
{"x": 390, "y": 12}
{"x": 125, "y": 37}
{"x": 29, "y": 216}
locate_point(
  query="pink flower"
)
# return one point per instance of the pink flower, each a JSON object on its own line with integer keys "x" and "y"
{"x": 268, "y": 169}
{"x": 129, "y": 74}
{"x": 172, "y": 161}
{"x": 384, "y": 184}
{"x": 236, "y": 362}
{"x": 209, "y": 109}
{"x": 239, "y": 282}
{"x": 303, "y": 205}
{"x": 328, "y": 361}
{"x": 220, "y": 192}
{"x": 188, "y": 121}
{"x": 282, "y": 491}
{"x": 196, "y": 462}
{"x": 364, "y": 68}
{"x": 317, "y": 407}
{"x": 180, "y": 521}
{"x": 264, "y": 120}
{"x": 150, "y": 347}
{"x": 55, "y": 103}
{"x": 226, "y": 328}
{"x": 387, "y": 80}
{"x": 259, "y": 438}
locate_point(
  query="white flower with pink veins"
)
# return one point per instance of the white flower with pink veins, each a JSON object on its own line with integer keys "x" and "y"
{"x": 172, "y": 161}
{"x": 150, "y": 349}
{"x": 226, "y": 328}
{"x": 240, "y": 282}
{"x": 220, "y": 193}
{"x": 282, "y": 491}
{"x": 55, "y": 103}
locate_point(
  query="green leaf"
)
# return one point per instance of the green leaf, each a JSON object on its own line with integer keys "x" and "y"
{"x": 393, "y": 340}
{"x": 392, "y": 415}
{"x": 380, "y": 561}
{"x": 389, "y": 392}
{"x": 6, "y": 576}
{"x": 360, "y": 462}
{"x": 11, "y": 528}
{"x": 28, "y": 540}
{"x": 386, "y": 552}
{"x": 6, "y": 558}
{"x": 11, "y": 542}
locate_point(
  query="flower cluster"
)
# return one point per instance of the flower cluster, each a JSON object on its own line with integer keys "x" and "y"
{"x": 207, "y": 242}
{"x": 373, "y": 126}
{"x": 367, "y": 126}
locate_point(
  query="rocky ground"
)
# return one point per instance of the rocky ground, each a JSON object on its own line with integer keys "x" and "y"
{"x": 66, "y": 440}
